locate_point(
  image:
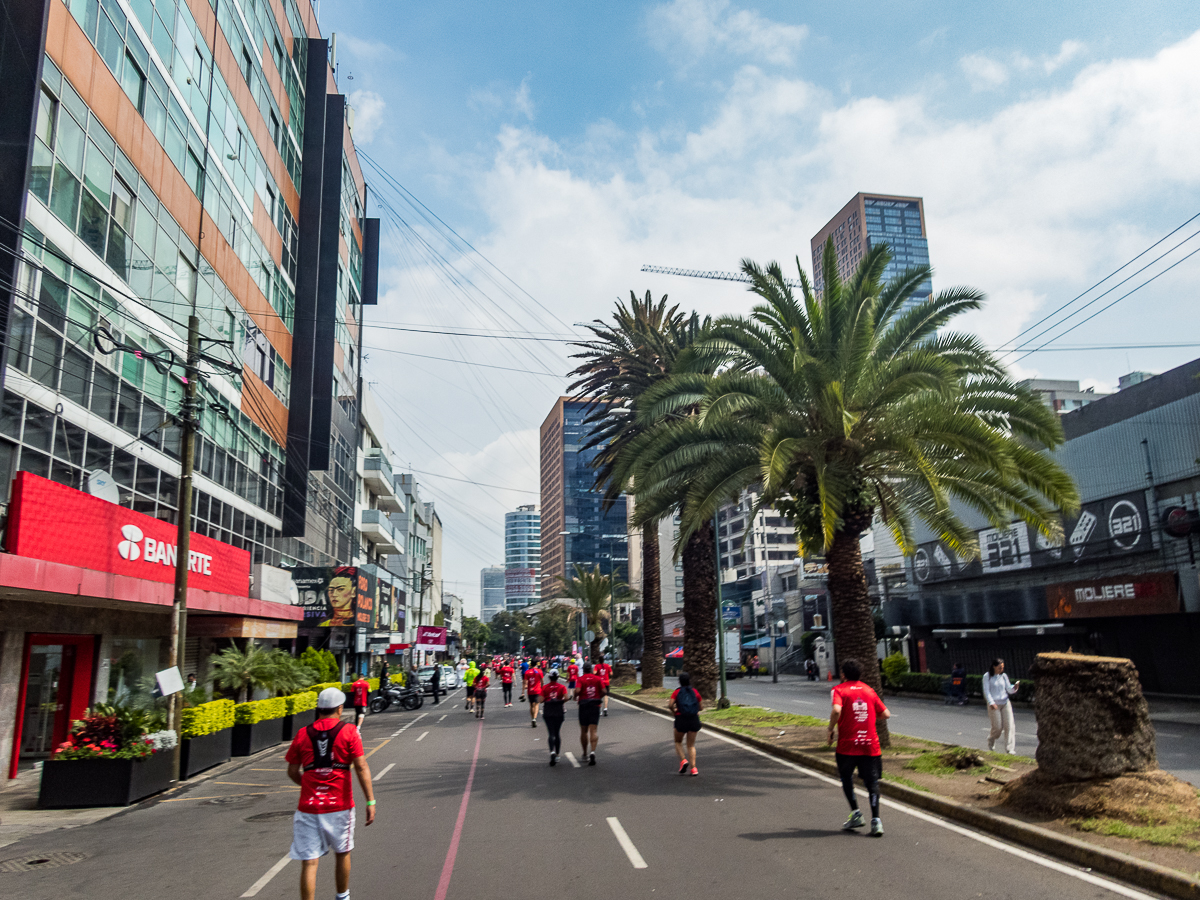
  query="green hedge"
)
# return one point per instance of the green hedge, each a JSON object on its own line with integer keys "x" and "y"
{"x": 325, "y": 684}
{"x": 207, "y": 718}
{"x": 298, "y": 703}
{"x": 260, "y": 710}
{"x": 933, "y": 683}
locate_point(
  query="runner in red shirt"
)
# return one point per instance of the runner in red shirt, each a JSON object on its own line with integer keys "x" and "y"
{"x": 506, "y": 681}
{"x": 572, "y": 674}
{"x": 856, "y": 707}
{"x": 604, "y": 670}
{"x": 481, "y": 686}
{"x": 319, "y": 760}
{"x": 361, "y": 690}
{"x": 555, "y": 697}
{"x": 533, "y": 687}
{"x": 589, "y": 691}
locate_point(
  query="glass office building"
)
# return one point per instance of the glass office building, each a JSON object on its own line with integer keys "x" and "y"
{"x": 522, "y": 557}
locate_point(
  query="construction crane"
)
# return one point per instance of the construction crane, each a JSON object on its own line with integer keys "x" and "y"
{"x": 714, "y": 275}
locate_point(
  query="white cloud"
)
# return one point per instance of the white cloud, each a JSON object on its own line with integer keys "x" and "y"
{"x": 1067, "y": 52}
{"x": 498, "y": 100}
{"x": 366, "y": 49}
{"x": 690, "y": 29}
{"x": 983, "y": 72}
{"x": 368, "y": 114}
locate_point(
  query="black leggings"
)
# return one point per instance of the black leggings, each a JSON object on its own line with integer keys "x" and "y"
{"x": 554, "y": 726}
{"x": 870, "y": 769}
{"x": 507, "y": 692}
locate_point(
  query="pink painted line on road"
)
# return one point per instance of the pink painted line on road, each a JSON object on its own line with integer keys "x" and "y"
{"x": 452, "y": 853}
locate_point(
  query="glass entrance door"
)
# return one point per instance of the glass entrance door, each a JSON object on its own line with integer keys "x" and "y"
{"x": 50, "y": 671}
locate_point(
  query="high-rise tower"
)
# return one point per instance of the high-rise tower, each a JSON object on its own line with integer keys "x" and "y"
{"x": 522, "y": 557}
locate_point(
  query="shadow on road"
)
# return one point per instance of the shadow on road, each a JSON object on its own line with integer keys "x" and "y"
{"x": 790, "y": 834}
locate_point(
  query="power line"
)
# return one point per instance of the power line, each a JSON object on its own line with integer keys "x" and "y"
{"x": 463, "y": 362}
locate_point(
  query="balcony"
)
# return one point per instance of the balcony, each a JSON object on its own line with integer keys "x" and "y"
{"x": 377, "y": 475}
{"x": 375, "y": 527}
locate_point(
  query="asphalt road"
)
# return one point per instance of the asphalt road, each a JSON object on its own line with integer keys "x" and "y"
{"x": 469, "y": 809}
{"x": 1178, "y": 738}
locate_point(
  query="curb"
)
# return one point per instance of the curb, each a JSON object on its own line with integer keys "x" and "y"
{"x": 1150, "y": 876}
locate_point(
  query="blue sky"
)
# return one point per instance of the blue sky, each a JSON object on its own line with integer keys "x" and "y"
{"x": 571, "y": 143}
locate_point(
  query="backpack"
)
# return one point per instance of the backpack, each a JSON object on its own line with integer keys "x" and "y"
{"x": 687, "y": 701}
{"x": 322, "y": 746}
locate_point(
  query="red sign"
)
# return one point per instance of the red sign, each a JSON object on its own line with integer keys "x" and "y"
{"x": 50, "y": 521}
{"x": 431, "y": 637}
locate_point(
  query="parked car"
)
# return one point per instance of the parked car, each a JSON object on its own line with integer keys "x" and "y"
{"x": 449, "y": 679}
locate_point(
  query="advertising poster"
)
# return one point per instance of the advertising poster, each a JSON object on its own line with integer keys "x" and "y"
{"x": 365, "y": 597}
{"x": 384, "y": 616}
{"x": 328, "y": 594}
{"x": 814, "y": 613}
{"x": 1148, "y": 593}
{"x": 431, "y": 637}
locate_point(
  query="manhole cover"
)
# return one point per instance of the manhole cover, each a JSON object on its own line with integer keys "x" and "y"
{"x": 233, "y": 801}
{"x": 41, "y": 861}
{"x": 278, "y": 814}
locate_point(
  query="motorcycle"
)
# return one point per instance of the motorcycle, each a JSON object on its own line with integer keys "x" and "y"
{"x": 407, "y": 697}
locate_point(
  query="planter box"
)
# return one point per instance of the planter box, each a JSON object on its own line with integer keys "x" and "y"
{"x": 204, "y": 752}
{"x": 292, "y": 724}
{"x": 248, "y": 739}
{"x": 79, "y": 783}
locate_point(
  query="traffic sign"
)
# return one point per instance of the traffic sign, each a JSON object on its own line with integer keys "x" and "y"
{"x": 589, "y": 635}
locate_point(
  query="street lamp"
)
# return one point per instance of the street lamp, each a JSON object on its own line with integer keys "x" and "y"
{"x": 779, "y": 626}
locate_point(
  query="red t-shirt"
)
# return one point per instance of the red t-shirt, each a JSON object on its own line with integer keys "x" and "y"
{"x": 506, "y": 675}
{"x": 533, "y": 681}
{"x": 554, "y": 692}
{"x": 604, "y": 670}
{"x": 589, "y": 687}
{"x": 856, "y": 725}
{"x": 361, "y": 689}
{"x": 481, "y": 684}
{"x": 573, "y": 672}
{"x": 326, "y": 790}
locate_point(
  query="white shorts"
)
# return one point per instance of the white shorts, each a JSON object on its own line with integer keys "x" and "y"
{"x": 315, "y": 834}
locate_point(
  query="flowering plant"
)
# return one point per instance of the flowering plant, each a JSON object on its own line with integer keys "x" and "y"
{"x": 109, "y": 732}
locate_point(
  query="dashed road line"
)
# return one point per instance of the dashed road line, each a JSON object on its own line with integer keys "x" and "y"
{"x": 266, "y": 879}
{"x": 627, "y": 845}
{"x": 409, "y": 725}
{"x": 383, "y": 771}
{"x": 443, "y": 717}
{"x": 422, "y": 737}
{"x": 573, "y": 760}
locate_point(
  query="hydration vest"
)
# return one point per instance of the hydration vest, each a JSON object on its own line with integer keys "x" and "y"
{"x": 322, "y": 741}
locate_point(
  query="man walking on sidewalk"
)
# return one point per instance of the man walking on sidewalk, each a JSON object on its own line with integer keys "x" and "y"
{"x": 319, "y": 760}
{"x": 855, "y": 709}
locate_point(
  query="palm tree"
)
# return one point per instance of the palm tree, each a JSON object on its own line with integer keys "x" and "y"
{"x": 847, "y": 405}
{"x": 592, "y": 593}
{"x": 623, "y": 361}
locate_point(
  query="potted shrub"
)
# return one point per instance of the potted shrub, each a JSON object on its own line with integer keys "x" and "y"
{"x": 207, "y": 732}
{"x": 258, "y": 725}
{"x": 301, "y": 711}
{"x": 114, "y": 756}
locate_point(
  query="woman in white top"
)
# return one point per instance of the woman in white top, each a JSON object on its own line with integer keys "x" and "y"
{"x": 996, "y": 691}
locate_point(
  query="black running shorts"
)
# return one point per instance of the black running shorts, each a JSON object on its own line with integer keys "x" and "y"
{"x": 589, "y": 712}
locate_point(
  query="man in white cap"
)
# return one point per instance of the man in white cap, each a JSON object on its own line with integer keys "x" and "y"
{"x": 320, "y": 760}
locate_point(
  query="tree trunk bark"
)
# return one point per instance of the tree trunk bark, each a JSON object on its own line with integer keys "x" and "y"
{"x": 652, "y": 645}
{"x": 700, "y": 611}
{"x": 853, "y": 624}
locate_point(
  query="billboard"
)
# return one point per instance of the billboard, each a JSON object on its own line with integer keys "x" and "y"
{"x": 334, "y": 596}
{"x": 53, "y": 522}
{"x": 1119, "y": 595}
{"x": 431, "y": 637}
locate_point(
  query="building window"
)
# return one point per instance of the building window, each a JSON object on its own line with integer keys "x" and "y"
{"x": 185, "y": 277}
{"x": 133, "y": 82}
{"x": 45, "y": 118}
{"x": 247, "y": 65}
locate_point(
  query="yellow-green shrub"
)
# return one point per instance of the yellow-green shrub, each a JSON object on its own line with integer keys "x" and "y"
{"x": 260, "y": 710}
{"x": 298, "y": 703}
{"x": 207, "y": 718}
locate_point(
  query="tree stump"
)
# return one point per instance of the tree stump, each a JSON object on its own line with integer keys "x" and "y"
{"x": 1093, "y": 721}
{"x": 624, "y": 673}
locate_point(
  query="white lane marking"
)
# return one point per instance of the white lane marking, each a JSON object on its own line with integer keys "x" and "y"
{"x": 752, "y": 694}
{"x": 409, "y": 725}
{"x": 265, "y": 880}
{"x": 1097, "y": 880}
{"x": 626, "y": 844}
{"x": 571, "y": 757}
{"x": 443, "y": 717}
{"x": 422, "y": 737}
{"x": 383, "y": 771}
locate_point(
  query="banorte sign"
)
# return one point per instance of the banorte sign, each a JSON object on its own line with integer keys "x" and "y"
{"x": 50, "y": 521}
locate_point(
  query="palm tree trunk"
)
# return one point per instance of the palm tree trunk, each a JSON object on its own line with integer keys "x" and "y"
{"x": 853, "y": 625}
{"x": 700, "y": 611}
{"x": 652, "y": 645}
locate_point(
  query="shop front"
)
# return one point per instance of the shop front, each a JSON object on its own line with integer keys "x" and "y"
{"x": 86, "y": 589}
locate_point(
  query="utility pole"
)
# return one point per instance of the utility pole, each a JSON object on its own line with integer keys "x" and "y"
{"x": 723, "y": 701}
{"x": 188, "y": 416}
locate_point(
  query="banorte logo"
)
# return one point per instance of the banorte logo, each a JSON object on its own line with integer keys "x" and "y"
{"x": 130, "y": 547}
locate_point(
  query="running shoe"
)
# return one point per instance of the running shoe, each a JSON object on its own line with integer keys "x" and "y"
{"x": 604, "y": 713}
{"x": 592, "y": 758}
{"x": 553, "y": 759}
{"x": 855, "y": 821}
{"x": 683, "y": 767}
{"x": 876, "y": 828}
{"x": 533, "y": 723}
{"x": 695, "y": 771}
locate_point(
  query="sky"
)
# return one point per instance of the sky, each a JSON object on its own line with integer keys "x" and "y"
{"x": 528, "y": 158}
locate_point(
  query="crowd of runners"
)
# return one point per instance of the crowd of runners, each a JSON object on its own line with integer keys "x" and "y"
{"x": 323, "y": 755}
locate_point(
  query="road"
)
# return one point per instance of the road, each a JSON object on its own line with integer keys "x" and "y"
{"x": 469, "y": 809}
{"x": 1178, "y": 729}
